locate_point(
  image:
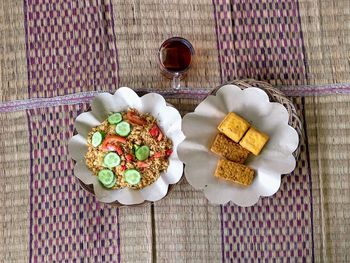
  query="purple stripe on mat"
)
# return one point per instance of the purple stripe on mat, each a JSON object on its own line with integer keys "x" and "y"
{"x": 222, "y": 236}
{"x": 262, "y": 40}
{"x": 30, "y": 193}
{"x": 318, "y": 90}
{"x": 86, "y": 97}
{"x": 19, "y": 105}
{"x": 67, "y": 224}
{"x": 71, "y": 47}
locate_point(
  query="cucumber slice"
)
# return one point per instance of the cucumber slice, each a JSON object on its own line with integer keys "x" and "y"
{"x": 111, "y": 184}
{"x": 115, "y": 118}
{"x": 111, "y": 160}
{"x": 142, "y": 153}
{"x": 123, "y": 128}
{"x": 97, "y": 139}
{"x": 132, "y": 176}
{"x": 106, "y": 177}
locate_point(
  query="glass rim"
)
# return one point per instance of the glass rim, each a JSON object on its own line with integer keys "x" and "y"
{"x": 187, "y": 43}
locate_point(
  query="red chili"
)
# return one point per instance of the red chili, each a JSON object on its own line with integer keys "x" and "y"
{"x": 123, "y": 167}
{"x": 168, "y": 152}
{"x": 119, "y": 150}
{"x": 157, "y": 155}
{"x": 128, "y": 157}
{"x": 154, "y": 131}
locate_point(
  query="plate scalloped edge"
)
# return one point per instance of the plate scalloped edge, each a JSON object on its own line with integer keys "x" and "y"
{"x": 200, "y": 127}
{"x": 169, "y": 119}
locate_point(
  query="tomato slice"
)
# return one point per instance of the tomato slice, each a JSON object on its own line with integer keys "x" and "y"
{"x": 109, "y": 147}
{"x": 142, "y": 164}
{"x": 114, "y": 139}
{"x": 111, "y": 142}
{"x": 135, "y": 119}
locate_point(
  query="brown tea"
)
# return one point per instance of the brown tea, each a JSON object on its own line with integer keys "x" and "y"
{"x": 176, "y": 54}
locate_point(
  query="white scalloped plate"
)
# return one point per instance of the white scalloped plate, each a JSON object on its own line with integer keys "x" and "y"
{"x": 200, "y": 128}
{"x": 169, "y": 119}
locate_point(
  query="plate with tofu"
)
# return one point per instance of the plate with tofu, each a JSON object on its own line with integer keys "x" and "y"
{"x": 238, "y": 144}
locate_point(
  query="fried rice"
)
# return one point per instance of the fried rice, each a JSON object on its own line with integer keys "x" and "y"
{"x": 150, "y": 169}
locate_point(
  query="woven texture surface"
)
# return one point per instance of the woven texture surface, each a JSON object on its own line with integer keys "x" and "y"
{"x": 13, "y": 61}
{"x": 260, "y": 39}
{"x": 329, "y": 138}
{"x": 70, "y": 47}
{"x": 140, "y": 29}
{"x": 326, "y": 31}
{"x": 64, "y": 219}
{"x": 55, "y": 48}
{"x": 14, "y": 194}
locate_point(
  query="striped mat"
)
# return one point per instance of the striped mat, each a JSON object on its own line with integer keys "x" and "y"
{"x": 57, "y": 55}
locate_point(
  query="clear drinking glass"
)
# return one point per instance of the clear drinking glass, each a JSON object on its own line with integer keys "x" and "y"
{"x": 175, "y": 57}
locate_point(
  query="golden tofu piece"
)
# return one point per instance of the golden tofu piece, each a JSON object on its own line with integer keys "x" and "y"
{"x": 254, "y": 141}
{"x": 228, "y": 149}
{"x": 234, "y": 126}
{"x": 234, "y": 172}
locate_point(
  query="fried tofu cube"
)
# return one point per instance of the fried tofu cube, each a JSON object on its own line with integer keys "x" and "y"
{"x": 234, "y": 126}
{"x": 234, "y": 172}
{"x": 226, "y": 148}
{"x": 254, "y": 141}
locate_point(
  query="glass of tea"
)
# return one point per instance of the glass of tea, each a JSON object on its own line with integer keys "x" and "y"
{"x": 175, "y": 57}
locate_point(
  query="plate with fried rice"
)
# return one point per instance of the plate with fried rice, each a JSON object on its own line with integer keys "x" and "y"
{"x": 126, "y": 147}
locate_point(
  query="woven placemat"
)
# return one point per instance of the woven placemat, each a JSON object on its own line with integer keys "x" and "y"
{"x": 71, "y": 46}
